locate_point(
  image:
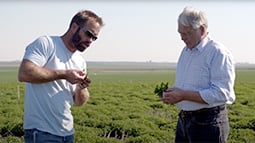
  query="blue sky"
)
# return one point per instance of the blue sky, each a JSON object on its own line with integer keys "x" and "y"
{"x": 133, "y": 31}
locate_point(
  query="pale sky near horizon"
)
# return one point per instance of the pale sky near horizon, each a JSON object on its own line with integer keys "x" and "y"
{"x": 134, "y": 30}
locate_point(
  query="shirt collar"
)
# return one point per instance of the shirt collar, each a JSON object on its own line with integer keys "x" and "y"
{"x": 200, "y": 46}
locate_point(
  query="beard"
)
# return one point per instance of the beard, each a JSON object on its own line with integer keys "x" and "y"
{"x": 76, "y": 40}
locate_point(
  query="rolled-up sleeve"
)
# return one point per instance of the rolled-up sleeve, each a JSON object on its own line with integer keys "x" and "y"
{"x": 222, "y": 78}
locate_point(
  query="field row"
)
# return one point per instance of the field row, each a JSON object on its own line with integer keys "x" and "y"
{"x": 123, "y": 108}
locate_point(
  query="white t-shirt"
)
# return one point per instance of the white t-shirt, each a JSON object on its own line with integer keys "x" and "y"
{"x": 48, "y": 105}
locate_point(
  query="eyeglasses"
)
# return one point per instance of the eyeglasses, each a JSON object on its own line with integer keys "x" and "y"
{"x": 89, "y": 33}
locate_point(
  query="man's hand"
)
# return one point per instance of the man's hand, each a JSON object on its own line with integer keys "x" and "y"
{"x": 85, "y": 82}
{"x": 175, "y": 95}
{"x": 81, "y": 94}
{"x": 74, "y": 76}
{"x": 172, "y": 96}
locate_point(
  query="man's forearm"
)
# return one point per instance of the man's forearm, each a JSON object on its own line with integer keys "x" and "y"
{"x": 193, "y": 96}
{"x": 30, "y": 72}
{"x": 81, "y": 96}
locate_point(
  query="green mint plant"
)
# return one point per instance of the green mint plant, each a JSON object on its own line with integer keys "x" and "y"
{"x": 159, "y": 89}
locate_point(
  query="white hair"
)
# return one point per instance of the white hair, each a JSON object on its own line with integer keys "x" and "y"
{"x": 192, "y": 17}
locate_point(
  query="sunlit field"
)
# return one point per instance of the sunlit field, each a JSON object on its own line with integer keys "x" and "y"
{"x": 123, "y": 107}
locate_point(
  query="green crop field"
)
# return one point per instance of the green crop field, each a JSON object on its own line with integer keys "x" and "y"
{"x": 124, "y": 109}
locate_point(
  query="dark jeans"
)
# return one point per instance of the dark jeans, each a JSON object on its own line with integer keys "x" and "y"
{"x": 204, "y": 126}
{"x": 36, "y": 136}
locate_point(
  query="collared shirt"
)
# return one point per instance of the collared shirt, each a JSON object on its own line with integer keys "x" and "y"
{"x": 209, "y": 69}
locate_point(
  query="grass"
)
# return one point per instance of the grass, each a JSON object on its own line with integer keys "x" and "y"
{"x": 123, "y": 108}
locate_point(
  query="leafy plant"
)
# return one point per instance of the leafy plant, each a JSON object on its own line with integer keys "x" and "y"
{"x": 159, "y": 89}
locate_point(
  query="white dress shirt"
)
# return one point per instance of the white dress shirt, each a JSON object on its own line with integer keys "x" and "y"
{"x": 209, "y": 69}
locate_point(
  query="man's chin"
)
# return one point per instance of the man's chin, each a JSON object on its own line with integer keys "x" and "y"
{"x": 81, "y": 49}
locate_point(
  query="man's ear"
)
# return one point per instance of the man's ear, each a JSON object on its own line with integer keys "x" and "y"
{"x": 203, "y": 29}
{"x": 74, "y": 26}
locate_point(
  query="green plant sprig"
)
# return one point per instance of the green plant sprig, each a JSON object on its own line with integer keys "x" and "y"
{"x": 159, "y": 89}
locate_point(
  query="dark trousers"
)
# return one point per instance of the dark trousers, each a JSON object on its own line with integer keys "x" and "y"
{"x": 203, "y": 126}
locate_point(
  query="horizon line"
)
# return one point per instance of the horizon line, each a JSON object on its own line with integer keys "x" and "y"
{"x": 119, "y": 61}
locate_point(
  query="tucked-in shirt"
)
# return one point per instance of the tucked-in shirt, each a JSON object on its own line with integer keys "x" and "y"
{"x": 209, "y": 69}
{"x": 48, "y": 105}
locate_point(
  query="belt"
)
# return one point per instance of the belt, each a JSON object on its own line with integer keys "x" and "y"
{"x": 202, "y": 111}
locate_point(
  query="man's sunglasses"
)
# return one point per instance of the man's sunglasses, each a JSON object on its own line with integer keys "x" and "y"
{"x": 88, "y": 33}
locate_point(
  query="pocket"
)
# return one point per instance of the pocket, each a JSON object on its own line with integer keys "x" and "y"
{"x": 30, "y": 135}
{"x": 212, "y": 118}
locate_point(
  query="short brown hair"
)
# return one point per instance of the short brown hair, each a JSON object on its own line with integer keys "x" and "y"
{"x": 83, "y": 16}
